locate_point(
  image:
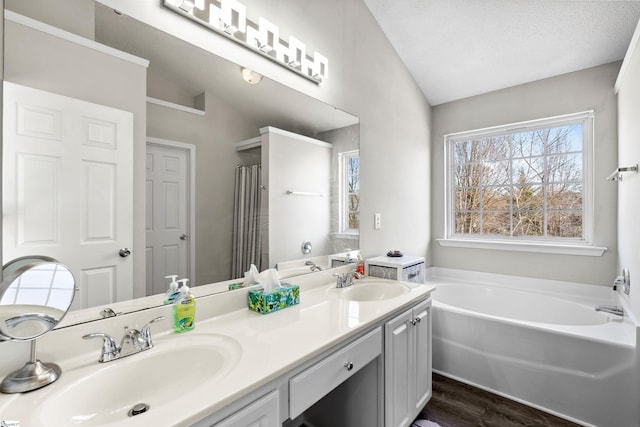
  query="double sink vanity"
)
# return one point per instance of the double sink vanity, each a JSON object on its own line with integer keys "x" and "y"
{"x": 359, "y": 355}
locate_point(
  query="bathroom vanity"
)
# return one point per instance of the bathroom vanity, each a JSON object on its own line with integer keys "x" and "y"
{"x": 353, "y": 356}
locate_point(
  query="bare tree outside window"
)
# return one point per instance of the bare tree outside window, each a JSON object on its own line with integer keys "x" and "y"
{"x": 351, "y": 191}
{"x": 527, "y": 183}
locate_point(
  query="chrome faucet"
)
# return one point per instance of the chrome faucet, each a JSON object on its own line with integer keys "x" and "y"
{"x": 612, "y": 309}
{"x": 345, "y": 280}
{"x": 133, "y": 341}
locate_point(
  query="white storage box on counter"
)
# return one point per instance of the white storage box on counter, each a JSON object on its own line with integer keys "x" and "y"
{"x": 406, "y": 268}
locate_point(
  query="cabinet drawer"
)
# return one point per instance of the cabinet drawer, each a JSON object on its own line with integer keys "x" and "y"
{"x": 414, "y": 273}
{"x": 311, "y": 385}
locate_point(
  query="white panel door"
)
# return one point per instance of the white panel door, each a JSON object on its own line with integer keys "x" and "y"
{"x": 167, "y": 215}
{"x": 67, "y": 173}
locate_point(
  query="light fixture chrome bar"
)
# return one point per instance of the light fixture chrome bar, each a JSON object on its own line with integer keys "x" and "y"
{"x": 229, "y": 19}
{"x": 616, "y": 175}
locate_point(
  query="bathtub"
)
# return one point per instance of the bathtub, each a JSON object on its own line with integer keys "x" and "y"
{"x": 539, "y": 342}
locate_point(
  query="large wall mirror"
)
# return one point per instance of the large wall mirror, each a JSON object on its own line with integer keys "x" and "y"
{"x": 202, "y": 121}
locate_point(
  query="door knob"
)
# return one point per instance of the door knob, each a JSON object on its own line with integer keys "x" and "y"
{"x": 183, "y": 237}
{"x": 125, "y": 252}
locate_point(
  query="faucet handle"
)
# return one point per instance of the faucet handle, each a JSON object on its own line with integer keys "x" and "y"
{"x": 145, "y": 332}
{"x": 339, "y": 280}
{"x": 110, "y": 349}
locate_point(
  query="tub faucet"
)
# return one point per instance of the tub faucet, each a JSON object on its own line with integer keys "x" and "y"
{"x": 623, "y": 281}
{"x": 612, "y": 309}
{"x": 313, "y": 266}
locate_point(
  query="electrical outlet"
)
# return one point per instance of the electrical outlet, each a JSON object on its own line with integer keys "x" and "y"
{"x": 377, "y": 221}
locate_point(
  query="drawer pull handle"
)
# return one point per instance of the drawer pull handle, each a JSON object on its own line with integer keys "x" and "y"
{"x": 349, "y": 366}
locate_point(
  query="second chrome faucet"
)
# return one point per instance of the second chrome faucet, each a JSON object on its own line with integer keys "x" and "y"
{"x": 133, "y": 341}
{"x": 345, "y": 280}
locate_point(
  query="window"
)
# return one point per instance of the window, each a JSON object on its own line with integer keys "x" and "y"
{"x": 522, "y": 182}
{"x": 350, "y": 192}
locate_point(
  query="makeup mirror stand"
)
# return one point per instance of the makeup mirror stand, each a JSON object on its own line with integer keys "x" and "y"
{"x": 33, "y": 375}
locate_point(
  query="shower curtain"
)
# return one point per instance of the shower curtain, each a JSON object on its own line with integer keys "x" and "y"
{"x": 246, "y": 220}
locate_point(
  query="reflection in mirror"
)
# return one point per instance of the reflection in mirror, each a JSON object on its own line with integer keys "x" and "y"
{"x": 197, "y": 108}
{"x": 35, "y": 294}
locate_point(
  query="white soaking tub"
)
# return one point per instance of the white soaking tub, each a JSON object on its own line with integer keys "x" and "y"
{"x": 539, "y": 342}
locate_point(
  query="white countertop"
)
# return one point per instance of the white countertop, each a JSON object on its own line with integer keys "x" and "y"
{"x": 269, "y": 346}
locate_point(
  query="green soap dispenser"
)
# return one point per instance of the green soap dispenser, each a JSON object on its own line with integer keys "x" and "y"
{"x": 184, "y": 309}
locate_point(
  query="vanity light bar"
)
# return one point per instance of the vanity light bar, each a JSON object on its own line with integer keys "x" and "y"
{"x": 229, "y": 18}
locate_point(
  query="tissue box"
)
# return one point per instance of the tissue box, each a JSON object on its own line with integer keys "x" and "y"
{"x": 268, "y": 302}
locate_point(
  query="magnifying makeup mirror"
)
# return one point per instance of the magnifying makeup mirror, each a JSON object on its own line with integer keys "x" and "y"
{"x": 35, "y": 294}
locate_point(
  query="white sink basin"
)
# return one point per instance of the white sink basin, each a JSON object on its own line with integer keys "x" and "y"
{"x": 102, "y": 394}
{"x": 370, "y": 290}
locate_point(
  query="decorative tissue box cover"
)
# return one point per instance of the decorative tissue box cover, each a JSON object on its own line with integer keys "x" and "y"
{"x": 268, "y": 302}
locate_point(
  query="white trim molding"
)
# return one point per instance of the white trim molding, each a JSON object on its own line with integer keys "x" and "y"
{"x": 175, "y": 106}
{"x": 545, "y": 248}
{"x": 73, "y": 38}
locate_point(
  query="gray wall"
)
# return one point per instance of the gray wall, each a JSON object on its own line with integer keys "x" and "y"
{"x": 628, "y": 155}
{"x": 569, "y": 93}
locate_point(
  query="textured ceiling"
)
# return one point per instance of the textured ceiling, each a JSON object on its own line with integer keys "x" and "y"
{"x": 460, "y": 48}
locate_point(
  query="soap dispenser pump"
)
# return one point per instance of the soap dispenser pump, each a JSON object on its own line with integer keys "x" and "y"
{"x": 172, "y": 293}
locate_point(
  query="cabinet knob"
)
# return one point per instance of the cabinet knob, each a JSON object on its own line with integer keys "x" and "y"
{"x": 349, "y": 366}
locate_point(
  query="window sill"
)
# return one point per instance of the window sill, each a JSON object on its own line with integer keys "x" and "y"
{"x": 547, "y": 248}
{"x": 346, "y": 235}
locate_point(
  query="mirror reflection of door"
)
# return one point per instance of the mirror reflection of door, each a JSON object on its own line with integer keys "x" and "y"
{"x": 67, "y": 173}
{"x": 168, "y": 213}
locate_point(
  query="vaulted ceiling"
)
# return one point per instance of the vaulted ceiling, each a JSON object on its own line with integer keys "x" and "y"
{"x": 460, "y": 48}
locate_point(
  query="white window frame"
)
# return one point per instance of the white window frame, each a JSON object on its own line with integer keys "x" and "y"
{"x": 343, "y": 203}
{"x": 572, "y": 246}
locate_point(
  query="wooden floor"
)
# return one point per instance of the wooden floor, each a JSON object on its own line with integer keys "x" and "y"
{"x": 455, "y": 404}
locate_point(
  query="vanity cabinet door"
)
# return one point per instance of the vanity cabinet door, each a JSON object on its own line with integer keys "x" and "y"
{"x": 397, "y": 370}
{"x": 407, "y": 365}
{"x": 263, "y": 412}
{"x": 422, "y": 374}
